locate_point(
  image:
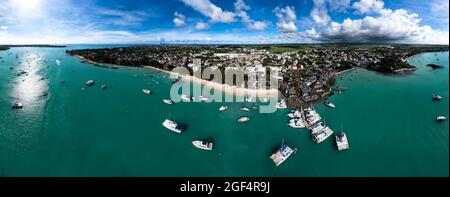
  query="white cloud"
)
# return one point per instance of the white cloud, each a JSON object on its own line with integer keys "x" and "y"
{"x": 368, "y": 6}
{"x": 251, "y": 24}
{"x": 286, "y": 19}
{"x": 201, "y": 26}
{"x": 390, "y": 26}
{"x": 121, "y": 18}
{"x": 179, "y": 19}
{"x": 216, "y": 14}
{"x": 439, "y": 11}
{"x": 319, "y": 13}
{"x": 4, "y": 27}
{"x": 338, "y": 5}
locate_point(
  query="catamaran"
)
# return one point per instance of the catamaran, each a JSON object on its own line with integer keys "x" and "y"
{"x": 204, "y": 144}
{"x": 322, "y": 135}
{"x": 341, "y": 141}
{"x": 296, "y": 123}
{"x": 282, "y": 153}
{"x": 173, "y": 126}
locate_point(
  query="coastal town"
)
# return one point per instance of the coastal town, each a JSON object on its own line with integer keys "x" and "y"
{"x": 305, "y": 73}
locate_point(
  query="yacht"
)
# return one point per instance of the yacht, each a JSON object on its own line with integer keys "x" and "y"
{"x": 243, "y": 119}
{"x": 440, "y": 118}
{"x": 341, "y": 141}
{"x": 317, "y": 128}
{"x": 90, "y": 83}
{"x": 294, "y": 114}
{"x": 223, "y": 108}
{"x": 146, "y": 91}
{"x": 17, "y": 105}
{"x": 168, "y": 101}
{"x": 204, "y": 144}
{"x": 330, "y": 105}
{"x": 245, "y": 108}
{"x": 321, "y": 136}
{"x": 281, "y": 104}
{"x": 282, "y": 153}
{"x": 173, "y": 126}
{"x": 436, "y": 97}
{"x": 296, "y": 123}
{"x": 185, "y": 98}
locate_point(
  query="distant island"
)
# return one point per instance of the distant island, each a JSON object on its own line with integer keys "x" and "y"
{"x": 305, "y": 71}
{"x": 6, "y": 47}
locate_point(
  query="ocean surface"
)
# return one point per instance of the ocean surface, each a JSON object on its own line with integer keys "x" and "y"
{"x": 389, "y": 121}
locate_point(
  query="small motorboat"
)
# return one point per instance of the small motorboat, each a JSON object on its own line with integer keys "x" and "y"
{"x": 17, "y": 105}
{"x": 90, "y": 83}
{"x": 441, "y": 118}
{"x": 223, "y": 108}
{"x": 204, "y": 144}
{"x": 168, "y": 101}
{"x": 328, "y": 104}
{"x": 146, "y": 91}
{"x": 243, "y": 119}
{"x": 245, "y": 108}
{"x": 436, "y": 97}
{"x": 104, "y": 87}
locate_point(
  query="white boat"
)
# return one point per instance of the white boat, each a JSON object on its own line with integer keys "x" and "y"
{"x": 296, "y": 123}
{"x": 203, "y": 144}
{"x": 436, "y": 97}
{"x": 317, "y": 128}
{"x": 294, "y": 114}
{"x": 341, "y": 141}
{"x": 58, "y": 62}
{"x": 330, "y": 105}
{"x": 243, "y": 119}
{"x": 173, "y": 126}
{"x": 104, "y": 87}
{"x": 245, "y": 109}
{"x": 185, "y": 98}
{"x": 281, "y": 154}
{"x": 168, "y": 101}
{"x": 321, "y": 136}
{"x": 90, "y": 83}
{"x": 223, "y": 108}
{"x": 311, "y": 116}
{"x": 440, "y": 118}
{"x": 146, "y": 91}
{"x": 17, "y": 105}
{"x": 281, "y": 104}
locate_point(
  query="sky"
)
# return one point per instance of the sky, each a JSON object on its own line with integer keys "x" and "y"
{"x": 223, "y": 21}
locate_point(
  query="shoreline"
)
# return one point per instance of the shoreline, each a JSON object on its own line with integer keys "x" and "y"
{"x": 233, "y": 90}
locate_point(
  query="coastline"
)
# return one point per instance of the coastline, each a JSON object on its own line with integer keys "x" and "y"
{"x": 233, "y": 90}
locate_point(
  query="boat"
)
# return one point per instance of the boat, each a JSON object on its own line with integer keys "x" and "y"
{"x": 281, "y": 154}
{"x": 317, "y": 128}
{"x": 294, "y": 114}
{"x": 328, "y": 104}
{"x": 104, "y": 87}
{"x": 168, "y": 101}
{"x": 204, "y": 144}
{"x": 296, "y": 123}
{"x": 17, "y": 105}
{"x": 341, "y": 141}
{"x": 146, "y": 91}
{"x": 185, "y": 98}
{"x": 223, "y": 108}
{"x": 243, "y": 108}
{"x": 436, "y": 97}
{"x": 90, "y": 83}
{"x": 281, "y": 104}
{"x": 441, "y": 118}
{"x": 322, "y": 135}
{"x": 243, "y": 119}
{"x": 58, "y": 62}
{"x": 173, "y": 126}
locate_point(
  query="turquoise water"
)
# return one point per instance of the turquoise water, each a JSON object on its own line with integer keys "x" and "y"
{"x": 389, "y": 121}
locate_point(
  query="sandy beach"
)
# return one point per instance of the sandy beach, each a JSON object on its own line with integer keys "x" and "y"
{"x": 236, "y": 91}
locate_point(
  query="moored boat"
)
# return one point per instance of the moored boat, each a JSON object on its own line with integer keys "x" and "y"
{"x": 281, "y": 154}
{"x": 173, "y": 126}
{"x": 90, "y": 82}
{"x": 204, "y": 144}
{"x": 223, "y": 108}
{"x": 243, "y": 119}
{"x": 281, "y": 104}
{"x": 322, "y": 135}
{"x": 441, "y": 118}
{"x": 146, "y": 91}
{"x": 296, "y": 123}
{"x": 341, "y": 141}
{"x": 243, "y": 108}
{"x": 329, "y": 104}
{"x": 168, "y": 101}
